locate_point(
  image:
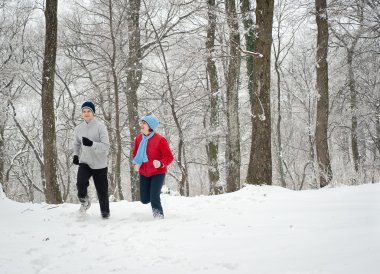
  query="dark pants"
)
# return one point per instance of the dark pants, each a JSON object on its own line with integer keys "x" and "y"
{"x": 150, "y": 190}
{"x": 101, "y": 184}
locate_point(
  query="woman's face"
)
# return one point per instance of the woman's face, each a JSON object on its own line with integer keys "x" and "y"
{"x": 144, "y": 128}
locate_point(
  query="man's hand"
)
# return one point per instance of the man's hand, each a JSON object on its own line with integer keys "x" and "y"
{"x": 75, "y": 160}
{"x": 86, "y": 142}
{"x": 156, "y": 163}
{"x": 136, "y": 167}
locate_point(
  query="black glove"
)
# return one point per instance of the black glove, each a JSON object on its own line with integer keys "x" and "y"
{"x": 75, "y": 160}
{"x": 86, "y": 142}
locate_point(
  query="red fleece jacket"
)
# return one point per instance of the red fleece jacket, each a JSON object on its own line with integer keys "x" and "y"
{"x": 157, "y": 149}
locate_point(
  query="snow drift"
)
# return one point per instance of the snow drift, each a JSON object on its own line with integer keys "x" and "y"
{"x": 255, "y": 230}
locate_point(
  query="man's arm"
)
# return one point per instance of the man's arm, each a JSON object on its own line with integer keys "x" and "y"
{"x": 103, "y": 145}
{"x": 77, "y": 143}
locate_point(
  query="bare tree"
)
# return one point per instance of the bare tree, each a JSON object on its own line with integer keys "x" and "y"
{"x": 249, "y": 34}
{"x": 134, "y": 73}
{"x": 277, "y": 65}
{"x": 323, "y": 157}
{"x": 114, "y": 29}
{"x": 68, "y": 111}
{"x": 351, "y": 23}
{"x": 232, "y": 86}
{"x": 16, "y": 163}
{"x": 285, "y": 32}
{"x": 52, "y": 191}
{"x": 212, "y": 146}
{"x": 36, "y": 151}
{"x": 181, "y": 159}
{"x": 260, "y": 161}
{"x": 3, "y": 122}
{"x": 300, "y": 163}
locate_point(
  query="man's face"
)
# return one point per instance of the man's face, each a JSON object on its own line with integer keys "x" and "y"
{"x": 87, "y": 114}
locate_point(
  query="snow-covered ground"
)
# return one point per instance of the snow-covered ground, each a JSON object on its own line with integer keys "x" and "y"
{"x": 255, "y": 230}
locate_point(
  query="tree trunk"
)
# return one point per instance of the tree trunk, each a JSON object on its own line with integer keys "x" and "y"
{"x": 233, "y": 75}
{"x": 2, "y": 154}
{"x": 212, "y": 146}
{"x": 119, "y": 192}
{"x": 277, "y": 67}
{"x": 51, "y": 187}
{"x": 377, "y": 118}
{"x": 134, "y": 73}
{"x": 260, "y": 161}
{"x": 249, "y": 34}
{"x": 353, "y": 105}
{"x": 353, "y": 92}
{"x": 68, "y": 164}
{"x": 105, "y": 103}
{"x": 3, "y": 121}
{"x": 311, "y": 139}
{"x": 323, "y": 158}
{"x": 279, "y": 141}
{"x": 183, "y": 185}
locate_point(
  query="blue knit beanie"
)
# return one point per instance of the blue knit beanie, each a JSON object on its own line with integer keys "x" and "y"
{"x": 152, "y": 121}
{"x": 89, "y": 105}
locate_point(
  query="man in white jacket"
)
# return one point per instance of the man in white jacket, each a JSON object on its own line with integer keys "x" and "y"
{"x": 91, "y": 146}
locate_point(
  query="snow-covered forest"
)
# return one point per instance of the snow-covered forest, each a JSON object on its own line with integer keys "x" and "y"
{"x": 244, "y": 92}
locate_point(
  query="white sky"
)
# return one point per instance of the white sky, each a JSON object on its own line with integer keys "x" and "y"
{"x": 255, "y": 230}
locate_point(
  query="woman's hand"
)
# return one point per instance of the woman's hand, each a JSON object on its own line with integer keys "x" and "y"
{"x": 156, "y": 163}
{"x": 137, "y": 167}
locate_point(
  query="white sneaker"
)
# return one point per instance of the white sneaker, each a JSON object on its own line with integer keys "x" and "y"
{"x": 85, "y": 204}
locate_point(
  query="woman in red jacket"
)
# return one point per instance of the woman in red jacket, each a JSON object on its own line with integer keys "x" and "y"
{"x": 151, "y": 156}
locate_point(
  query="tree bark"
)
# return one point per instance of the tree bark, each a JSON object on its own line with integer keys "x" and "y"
{"x": 119, "y": 191}
{"x": 3, "y": 122}
{"x": 279, "y": 118}
{"x": 134, "y": 74}
{"x": 277, "y": 67}
{"x": 51, "y": 187}
{"x": 377, "y": 118}
{"x": 353, "y": 106}
{"x": 260, "y": 161}
{"x": 2, "y": 154}
{"x": 323, "y": 158}
{"x": 212, "y": 146}
{"x": 233, "y": 75}
{"x": 249, "y": 34}
{"x": 106, "y": 104}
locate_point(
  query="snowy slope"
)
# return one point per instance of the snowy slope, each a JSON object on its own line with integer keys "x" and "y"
{"x": 255, "y": 230}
